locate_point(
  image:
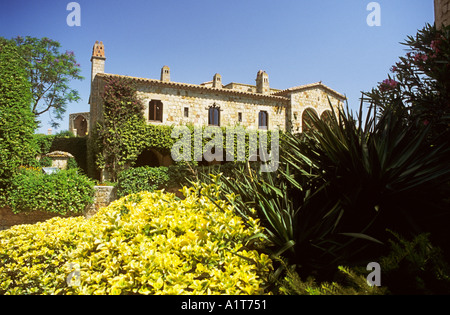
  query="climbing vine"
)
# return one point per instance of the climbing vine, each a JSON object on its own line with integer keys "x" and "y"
{"x": 119, "y": 135}
{"x": 123, "y": 134}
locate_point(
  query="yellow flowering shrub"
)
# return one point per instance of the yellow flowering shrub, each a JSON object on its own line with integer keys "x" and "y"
{"x": 146, "y": 243}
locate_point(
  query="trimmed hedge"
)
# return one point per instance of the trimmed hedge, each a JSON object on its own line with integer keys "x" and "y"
{"x": 139, "y": 179}
{"x": 64, "y": 192}
{"x": 147, "y": 243}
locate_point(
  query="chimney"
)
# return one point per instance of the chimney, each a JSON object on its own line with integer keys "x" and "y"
{"x": 165, "y": 74}
{"x": 262, "y": 82}
{"x": 217, "y": 81}
{"x": 98, "y": 59}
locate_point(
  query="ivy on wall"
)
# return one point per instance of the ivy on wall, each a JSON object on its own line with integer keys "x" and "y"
{"x": 119, "y": 134}
{"x": 123, "y": 134}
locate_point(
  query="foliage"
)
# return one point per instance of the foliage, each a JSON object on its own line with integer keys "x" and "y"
{"x": 147, "y": 243}
{"x": 348, "y": 282}
{"x": 420, "y": 82}
{"x": 123, "y": 133}
{"x": 341, "y": 185}
{"x": 64, "y": 192}
{"x": 17, "y": 145}
{"x": 415, "y": 267}
{"x": 158, "y": 137}
{"x": 121, "y": 127}
{"x": 410, "y": 267}
{"x": 49, "y": 72}
{"x": 180, "y": 174}
{"x": 344, "y": 182}
{"x": 33, "y": 257}
{"x": 66, "y": 142}
{"x": 47, "y": 162}
{"x": 140, "y": 179}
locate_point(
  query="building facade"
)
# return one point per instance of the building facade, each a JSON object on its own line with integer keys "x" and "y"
{"x": 214, "y": 103}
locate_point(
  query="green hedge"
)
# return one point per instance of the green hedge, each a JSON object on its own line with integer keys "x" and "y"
{"x": 140, "y": 179}
{"x": 64, "y": 192}
{"x": 146, "y": 178}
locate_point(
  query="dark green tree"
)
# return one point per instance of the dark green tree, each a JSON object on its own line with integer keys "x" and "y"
{"x": 49, "y": 72}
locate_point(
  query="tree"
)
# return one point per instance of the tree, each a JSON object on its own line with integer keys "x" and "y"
{"x": 49, "y": 72}
{"x": 17, "y": 122}
{"x": 419, "y": 88}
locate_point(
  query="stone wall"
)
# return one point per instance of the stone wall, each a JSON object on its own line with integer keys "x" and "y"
{"x": 175, "y": 100}
{"x": 442, "y": 12}
{"x": 103, "y": 196}
{"x": 285, "y": 108}
{"x": 315, "y": 98}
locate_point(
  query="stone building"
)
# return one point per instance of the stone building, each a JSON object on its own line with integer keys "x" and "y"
{"x": 442, "y": 12}
{"x": 214, "y": 103}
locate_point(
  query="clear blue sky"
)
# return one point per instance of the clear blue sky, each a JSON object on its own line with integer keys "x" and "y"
{"x": 295, "y": 41}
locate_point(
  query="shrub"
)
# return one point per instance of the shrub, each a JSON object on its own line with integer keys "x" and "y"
{"x": 341, "y": 186}
{"x": 64, "y": 192}
{"x": 411, "y": 267}
{"x": 139, "y": 179}
{"x": 419, "y": 88}
{"x": 348, "y": 282}
{"x": 147, "y": 243}
{"x": 415, "y": 267}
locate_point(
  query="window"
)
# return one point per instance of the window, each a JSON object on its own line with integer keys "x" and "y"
{"x": 186, "y": 112}
{"x": 214, "y": 115}
{"x": 240, "y": 117}
{"x": 155, "y": 111}
{"x": 263, "y": 120}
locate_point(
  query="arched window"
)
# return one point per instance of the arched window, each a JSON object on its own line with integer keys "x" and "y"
{"x": 263, "y": 120}
{"x": 214, "y": 115}
{"x": 155, "y": 111}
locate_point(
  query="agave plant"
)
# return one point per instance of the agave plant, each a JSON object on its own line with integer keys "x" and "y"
{"x": 341, "y": 185}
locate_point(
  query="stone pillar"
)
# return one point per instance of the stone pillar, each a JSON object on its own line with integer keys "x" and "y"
{"x": 442, "y": 12}
{"x": 103, "y": 197}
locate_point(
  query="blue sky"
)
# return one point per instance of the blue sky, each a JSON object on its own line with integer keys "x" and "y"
{"x": 295, "y": 41}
